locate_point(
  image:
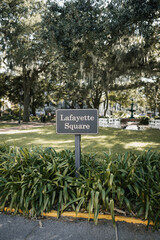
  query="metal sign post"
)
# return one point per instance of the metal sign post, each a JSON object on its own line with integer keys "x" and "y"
{"x": 77, "y": 154}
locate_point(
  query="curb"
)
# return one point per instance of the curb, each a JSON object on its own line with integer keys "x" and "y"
{"x": 100, "y": 216}
{"x": 53, "y": 213}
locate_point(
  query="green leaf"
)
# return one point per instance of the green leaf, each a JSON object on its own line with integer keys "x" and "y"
{"x": 127, "y": 203}
{"x": 80, "y": 204}
{"x": 147, "y": 207}
{"x": 111, "y": 205}
{"x": 111, "y": 180}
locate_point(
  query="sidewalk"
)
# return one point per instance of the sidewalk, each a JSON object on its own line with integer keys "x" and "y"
{"x": 23, "y": 127}
{"x": 20, "y": 228}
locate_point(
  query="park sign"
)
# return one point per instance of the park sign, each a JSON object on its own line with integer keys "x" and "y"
{"x": 77, "y": 121}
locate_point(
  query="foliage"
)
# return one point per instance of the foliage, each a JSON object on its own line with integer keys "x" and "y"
{"x": 23, "y": 47}
{"x": 37, "y": 181}
{"x": 144, "y": 120}
{"x": 12, "y": 114}
{"x": 80, "y": 48}
{"x": 34, "y": 118}
{"x": 100, "y": 43}
{"x": 3, "y": 86}
{"x": 4, "y": 148}
{"x": 6, "y": 117}
{"x": 120, "y": 114}
{"x": 157, "y": 118}
{"x": 152, "y": 92}
{"x": 79, "y": 45}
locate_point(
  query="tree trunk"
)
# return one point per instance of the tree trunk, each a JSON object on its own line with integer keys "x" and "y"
{"x": 106, "y": 104}
{"x": 26, "y": 85}
{"x": 97, "y": 98}
{"x": 33, "y": 110}
{"x": 32, "y": 105}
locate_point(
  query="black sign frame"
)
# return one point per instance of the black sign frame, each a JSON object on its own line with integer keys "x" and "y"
{"x": 86, "y": 118}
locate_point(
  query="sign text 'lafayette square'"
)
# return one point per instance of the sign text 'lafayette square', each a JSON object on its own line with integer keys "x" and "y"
{"x": 77, "y": 121}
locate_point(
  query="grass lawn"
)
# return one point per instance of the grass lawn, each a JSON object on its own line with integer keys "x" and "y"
{"x": 8, "y": 125}
{"x": 108, "y": 140}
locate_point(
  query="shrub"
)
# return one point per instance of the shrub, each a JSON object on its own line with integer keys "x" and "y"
{"x": 38, "y": 180}
{"x": 144, "y": 120}
{"x": 6, "y": 118}
{"x": 34, "y": 118}
{"x": 15, "y": 112}
{"x": 157, "y": 118}
{"x": 120, "y": 114}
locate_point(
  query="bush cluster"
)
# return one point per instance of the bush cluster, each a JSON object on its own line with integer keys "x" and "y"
{"x": 34, "y": 118}
{"x": 144, "y": 120}
{"x": 38, "y": 180}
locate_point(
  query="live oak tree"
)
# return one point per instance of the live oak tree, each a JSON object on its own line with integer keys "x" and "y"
{"x": 24, "y": 51}
{"x": 134, "y": 32}
{"x": 3, "y": 87}
{"x": 76, "y": 27}
{"x": 81, "y": 50}
{"x": 135, "y": 27}
{"x": 152, "y": 92}
{"x": 101, "y": 43}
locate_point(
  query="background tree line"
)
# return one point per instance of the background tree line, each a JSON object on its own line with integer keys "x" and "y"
{"x": 80, "y": 51}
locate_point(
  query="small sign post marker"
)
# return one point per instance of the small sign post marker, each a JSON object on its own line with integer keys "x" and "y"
{"x": 77, "y": 153}
{"x": 77, "y": 122}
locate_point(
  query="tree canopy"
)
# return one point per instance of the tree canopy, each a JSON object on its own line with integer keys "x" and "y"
{"x": 81, "y": 50}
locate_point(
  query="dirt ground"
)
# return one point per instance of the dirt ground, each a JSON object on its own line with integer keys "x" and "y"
{"x": 22, "y": 126}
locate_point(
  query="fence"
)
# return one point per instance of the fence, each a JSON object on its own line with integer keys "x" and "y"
{"x": 154, "y": 124}
{"x": 109, "y": 122}
{"x": 115, "y": 123}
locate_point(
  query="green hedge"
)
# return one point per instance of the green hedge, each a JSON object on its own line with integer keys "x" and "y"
{"x": 39, "y": 180}
{"x": 144, "y": 120}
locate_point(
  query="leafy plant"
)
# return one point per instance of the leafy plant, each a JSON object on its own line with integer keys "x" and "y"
{"x": 38, "y": 180}
{"x": 144, "y": 120}
{"x": 34, "y": 118}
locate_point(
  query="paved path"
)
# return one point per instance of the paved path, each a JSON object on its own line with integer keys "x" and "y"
{"x": 20, "y": 228}
{"x": 23, "y": 127}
